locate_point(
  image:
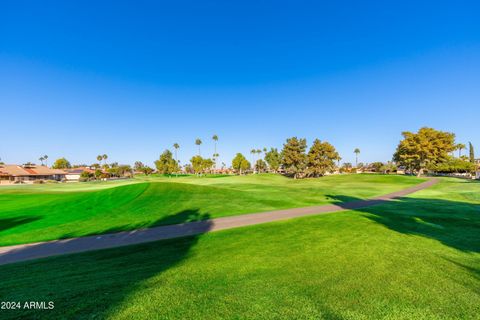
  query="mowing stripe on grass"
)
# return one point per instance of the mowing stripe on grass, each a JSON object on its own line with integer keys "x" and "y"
{"x": 11, "y": 254}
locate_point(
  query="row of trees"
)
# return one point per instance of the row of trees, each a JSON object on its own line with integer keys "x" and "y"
{"x": 294, "y": 160}
{"x": 167, "y": 164}
{"x": 427, "y": 149}
{"x": 114, "y": 170}
{"x": 319, "y": 160}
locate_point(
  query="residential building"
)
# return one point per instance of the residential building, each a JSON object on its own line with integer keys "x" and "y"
{"x": 72, "y": 175}
{"x": 28, "y": 173}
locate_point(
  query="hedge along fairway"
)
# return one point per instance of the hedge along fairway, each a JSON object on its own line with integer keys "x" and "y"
{"x": 39, "y": 213}
{"x": 415, "y": 258}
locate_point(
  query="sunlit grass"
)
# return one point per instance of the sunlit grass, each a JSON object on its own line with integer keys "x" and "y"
{"x": 37, "y": 213}
{"x": 390, "y": 261}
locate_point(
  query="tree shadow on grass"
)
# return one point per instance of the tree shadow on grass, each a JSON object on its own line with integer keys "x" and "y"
{"x": 454, "y": 223}
{"x": 9, "y": 223}
{"x": 182, "y": 217}
{"x": 95, "y": 284}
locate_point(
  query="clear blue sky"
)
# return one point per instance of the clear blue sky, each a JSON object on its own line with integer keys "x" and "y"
{"x": 79, "y": 78}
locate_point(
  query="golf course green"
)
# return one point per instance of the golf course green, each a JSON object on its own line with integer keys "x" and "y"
{"x": 34, "y": 213}
{"x": 417, "y": 257}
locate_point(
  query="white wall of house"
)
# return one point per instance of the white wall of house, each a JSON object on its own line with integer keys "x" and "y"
{"x": 72, "y": 177}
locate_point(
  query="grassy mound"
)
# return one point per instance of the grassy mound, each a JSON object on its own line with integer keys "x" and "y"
{"x": 39, "y": 213}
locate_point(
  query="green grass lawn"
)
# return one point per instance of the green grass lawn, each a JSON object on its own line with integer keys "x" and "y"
{"x": 45, "y": 212}
{"x": 415, "y": 258}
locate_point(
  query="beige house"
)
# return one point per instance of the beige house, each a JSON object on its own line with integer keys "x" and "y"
{"x": 11, "y": 173}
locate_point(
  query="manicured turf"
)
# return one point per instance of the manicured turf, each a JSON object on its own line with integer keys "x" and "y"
{"x": 46, "y": 212}
{"x": 415, "y": 258}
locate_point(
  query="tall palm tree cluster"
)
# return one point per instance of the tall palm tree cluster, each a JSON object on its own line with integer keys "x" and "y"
{"x": 43, "y": 158}
{"x": 198, "y": 142}
{"x": 103, "y": 157}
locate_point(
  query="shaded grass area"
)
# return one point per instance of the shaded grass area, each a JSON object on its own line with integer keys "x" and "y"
{"x": 415, "y": 258}
{"x": 52, "y": 213}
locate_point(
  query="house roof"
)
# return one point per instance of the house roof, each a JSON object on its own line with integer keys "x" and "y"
{"x": 78, "y": 170}
{"x": 16, "y": 170}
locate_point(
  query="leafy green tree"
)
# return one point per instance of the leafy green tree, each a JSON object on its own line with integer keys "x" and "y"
{"x": 321, "y": 158}
{"x": 240, "y": 163}
{"x": 198, "y": 142}
{"x": 61, "y": 163}
{"x": 200, "y": 165}
{"x": 197, "y": 164}
{"x": 471, "y": 152}
{"x": 260, "y": 166}
{"x": 124, "y": 170}
{"x": 294, "y": 158}
{"x": 387, "y": 167}
{"x": 427, "y": 147}
{"x": 146, "y": 170}
{"x": 357, "y": 152}
{"x": 188, "y": 168}
{"x": 346, "y": 167}
{"x": 274, "y": 159}
{"x": 138, "y": 165}
{"x": 207, "y": 164}
{"x": 117, "y": 170}
{"x": 86, "y": 176}
{"x": 166, "y": 164}
{"x": 453, "y": 165}
{"x": 376, "y": 166}
{"x": 98, "y": 173}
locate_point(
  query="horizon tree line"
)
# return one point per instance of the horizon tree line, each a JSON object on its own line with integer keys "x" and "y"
{"x": 428, "y": 149}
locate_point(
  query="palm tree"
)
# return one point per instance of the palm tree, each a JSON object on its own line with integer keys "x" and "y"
{"x": 45, "y": 157}
{"x": 258, "y": 152}
{"x": 356, "y": 151}
{"x": 176, "y": 146}
{"x": 99, "y": 158}
{"x": 215, "y": 139}
{"x": 104, "y": 157}
{"x": 460, "y": 147}
{"x": 198, "y": 142}
{"x": 41, "y": 160}
{"x": 215, "y": 154}
{"x": 253, "y": 152}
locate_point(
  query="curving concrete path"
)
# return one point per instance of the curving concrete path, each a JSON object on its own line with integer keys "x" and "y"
{"x": 11, "y": 254}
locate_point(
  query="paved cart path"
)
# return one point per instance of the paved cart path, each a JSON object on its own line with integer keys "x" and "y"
{"x": 16, "y": 253}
